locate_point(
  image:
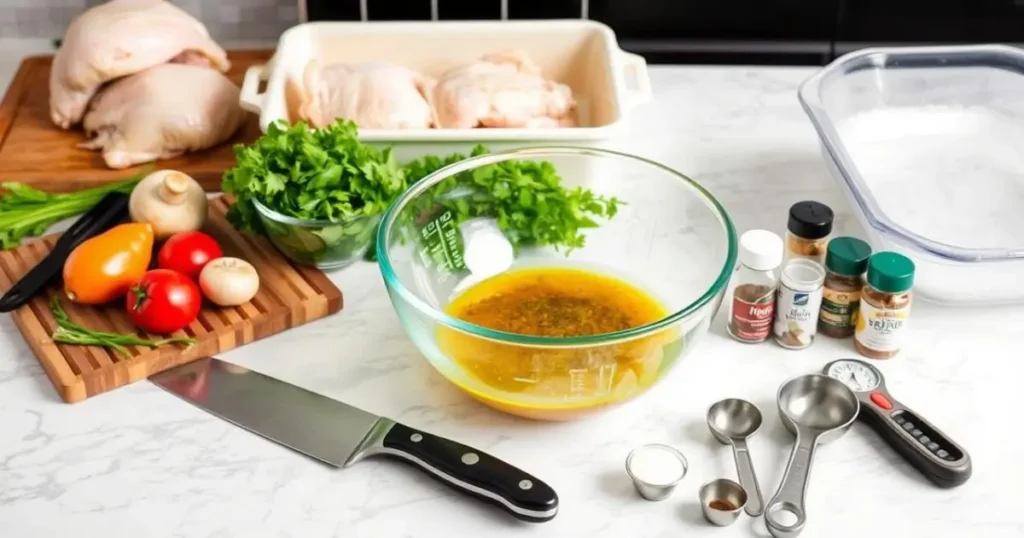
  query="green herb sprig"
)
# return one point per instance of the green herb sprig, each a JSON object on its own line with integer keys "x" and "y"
{"x": 69, "y": 332}
{"x": 527, "y": 199}
{"x": 25, "y": 211}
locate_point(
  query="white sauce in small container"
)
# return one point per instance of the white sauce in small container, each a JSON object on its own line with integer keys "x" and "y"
{"x": 655, "y": 470}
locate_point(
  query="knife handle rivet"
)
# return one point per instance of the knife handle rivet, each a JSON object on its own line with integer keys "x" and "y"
{"x": 415, "y": 437}
{"x": 470, "y": 458}
{"x": 525, "y": 484}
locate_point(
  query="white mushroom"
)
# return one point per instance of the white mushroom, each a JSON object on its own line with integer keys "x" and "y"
{"x": 170, "y": 201}
{"x": 229, "y": 281}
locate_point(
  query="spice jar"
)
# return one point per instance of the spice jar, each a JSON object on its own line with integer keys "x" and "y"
{"x": 753, "y": 299}
{"x": 798, "y": 302}
{"x": 810, "y": 224}
{"x": 846, "y": 261}
{"x": 884, "y": 305}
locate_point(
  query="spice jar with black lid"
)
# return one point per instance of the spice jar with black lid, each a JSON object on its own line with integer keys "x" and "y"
{"x": 752, "y": 308}
{"x": 884, "y": 305}
{"x": 808, "y": 230}
{"x": 846, "y": 261}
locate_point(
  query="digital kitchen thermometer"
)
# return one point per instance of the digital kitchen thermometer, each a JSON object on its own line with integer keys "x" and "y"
{"x": 932, "y": 452}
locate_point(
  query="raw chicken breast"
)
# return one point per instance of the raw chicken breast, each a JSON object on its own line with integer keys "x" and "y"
{"x": 120, "y": 38}
{"x": 161, "y": 113}
{"x": 374, "y": 95}
{"x": 504, "y": 89}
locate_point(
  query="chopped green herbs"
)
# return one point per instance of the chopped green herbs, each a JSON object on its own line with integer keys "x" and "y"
{"x": 328, "y": 175}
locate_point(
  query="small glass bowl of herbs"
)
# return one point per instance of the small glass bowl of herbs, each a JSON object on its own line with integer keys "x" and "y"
{"x": 316, "y": 194}
{"x": 322, "y": 243}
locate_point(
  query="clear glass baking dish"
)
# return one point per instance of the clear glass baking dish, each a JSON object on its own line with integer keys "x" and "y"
{"x": 928, "y": 143}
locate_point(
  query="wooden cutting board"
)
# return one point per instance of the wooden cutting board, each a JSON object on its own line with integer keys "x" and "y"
{"x": 289, "y": 295}
{"x": 35, "y": 151}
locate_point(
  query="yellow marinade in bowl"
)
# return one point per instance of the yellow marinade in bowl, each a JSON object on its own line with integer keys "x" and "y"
{"x": 555, "y": 331}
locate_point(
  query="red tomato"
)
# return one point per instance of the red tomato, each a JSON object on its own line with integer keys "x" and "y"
{"x": 188, "y": 252}
{"x": 164, "y": 301}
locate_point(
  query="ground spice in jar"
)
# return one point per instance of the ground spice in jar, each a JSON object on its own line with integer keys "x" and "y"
{"x": 753, "y": 300}
{"x": 808, "y": 230}
{"x": 797, "y": 303}
{"x": 884, "y": 306}
{"x": 845, "y": 263}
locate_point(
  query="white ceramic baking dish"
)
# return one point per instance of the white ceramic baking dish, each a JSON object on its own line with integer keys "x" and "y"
{"x": 606, "y": 81}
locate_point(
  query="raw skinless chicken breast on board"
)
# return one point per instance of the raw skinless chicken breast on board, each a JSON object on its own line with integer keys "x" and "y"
{"x": 375, "y": 95}
{"x": 120, "y": 38}
{"x": 504, "y": 89}
{"x": 161, "y": 113}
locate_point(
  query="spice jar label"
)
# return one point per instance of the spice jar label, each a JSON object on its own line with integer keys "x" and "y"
{"x": 796, "y": 320}
{"x": 881, "y": 330}
{"x": 753, "y": 307}
{"x": 838, "y": 308}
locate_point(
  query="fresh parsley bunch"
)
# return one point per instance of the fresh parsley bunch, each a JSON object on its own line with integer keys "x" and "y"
{"x": 527, "y": 198}
{"x": 313, "y": 174}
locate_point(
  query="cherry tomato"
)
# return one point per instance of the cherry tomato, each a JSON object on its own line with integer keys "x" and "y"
{"x": 187, "y": 253}
{"x": 164, "y": 301}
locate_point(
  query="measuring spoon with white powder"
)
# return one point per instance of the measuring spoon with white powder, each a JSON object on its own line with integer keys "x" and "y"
{"x": 655, "y": 470}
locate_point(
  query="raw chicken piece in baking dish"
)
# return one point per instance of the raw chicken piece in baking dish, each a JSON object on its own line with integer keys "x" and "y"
{"x": 504, "y": 89}
{"x": 120, "y": 38}
{"x": 161, "y": 113}
{"x": 375, "y": 95}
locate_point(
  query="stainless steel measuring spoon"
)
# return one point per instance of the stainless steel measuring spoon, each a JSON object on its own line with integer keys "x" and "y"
{"x": 732, "y": 421}
{"x": 817, "y": 409}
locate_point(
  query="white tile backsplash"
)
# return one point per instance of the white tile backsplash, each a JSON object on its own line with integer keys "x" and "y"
{"x": 226, "y": 19}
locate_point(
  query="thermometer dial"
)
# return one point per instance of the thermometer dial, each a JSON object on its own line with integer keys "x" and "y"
{"x": 934, "y": 453}
{"x": 860, "y": 377}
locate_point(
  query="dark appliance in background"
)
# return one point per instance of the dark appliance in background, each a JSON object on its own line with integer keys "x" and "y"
{"x": 759, "y": 32}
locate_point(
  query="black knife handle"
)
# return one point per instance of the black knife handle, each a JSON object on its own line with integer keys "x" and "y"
{"x": 110, "y": 210}
{"x": 474, "y": 472}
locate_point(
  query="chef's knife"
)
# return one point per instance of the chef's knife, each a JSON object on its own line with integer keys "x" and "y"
{"x": 110, "y": 210}
{"x": 340, "y": 435}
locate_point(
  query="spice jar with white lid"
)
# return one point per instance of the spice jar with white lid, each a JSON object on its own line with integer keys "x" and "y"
{"x": 808, "y": 231}
{"x": 884, "y": 305}
{"x": 754, "y": 284}
{"x": 798, "y": 303}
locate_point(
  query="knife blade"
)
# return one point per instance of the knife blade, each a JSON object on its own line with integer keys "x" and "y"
{"x": 341, "y": 435}
{"x": 110, "y": 210}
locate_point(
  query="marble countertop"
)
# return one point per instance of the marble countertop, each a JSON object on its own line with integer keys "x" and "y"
{"x": 139, "y": 463}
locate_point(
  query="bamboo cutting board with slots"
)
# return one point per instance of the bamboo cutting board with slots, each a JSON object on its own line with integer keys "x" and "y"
{"x": 289, "y": 295}
{"x": 35, "y": 151}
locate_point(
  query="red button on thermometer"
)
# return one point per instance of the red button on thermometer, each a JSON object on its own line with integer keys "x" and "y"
{"x": 933, "y": 453}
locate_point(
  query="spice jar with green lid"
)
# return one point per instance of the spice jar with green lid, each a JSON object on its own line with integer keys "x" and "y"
{"x": 884, "y": 305}
{"x": 846, "y": 260}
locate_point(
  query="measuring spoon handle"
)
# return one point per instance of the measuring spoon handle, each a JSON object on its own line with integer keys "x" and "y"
{"x": 745, "y": 469}
{"x": 792, "y": 492}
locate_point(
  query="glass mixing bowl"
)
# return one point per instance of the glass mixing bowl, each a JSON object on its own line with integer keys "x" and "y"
{"x": 670, "y": 238}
